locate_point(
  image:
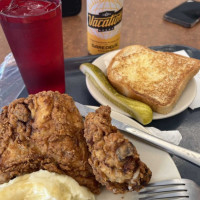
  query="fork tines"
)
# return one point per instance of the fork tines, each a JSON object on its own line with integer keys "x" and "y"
{"x": 171, "y": 189}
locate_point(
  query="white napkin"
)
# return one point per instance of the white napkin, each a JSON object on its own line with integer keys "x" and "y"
{"x": 173, "y": 136}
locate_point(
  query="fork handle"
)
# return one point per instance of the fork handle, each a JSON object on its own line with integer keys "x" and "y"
{"x": 181, "y": 152}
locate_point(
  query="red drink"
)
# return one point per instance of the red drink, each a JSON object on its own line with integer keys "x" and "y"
{"x": 33, "y": 29}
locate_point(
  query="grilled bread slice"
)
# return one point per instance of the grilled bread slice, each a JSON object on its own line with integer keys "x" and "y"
{"x": 153, "y": 77}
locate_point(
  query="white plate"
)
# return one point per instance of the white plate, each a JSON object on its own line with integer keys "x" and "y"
{"x": 185, "y": 100}
{"x": 160, "y": 162}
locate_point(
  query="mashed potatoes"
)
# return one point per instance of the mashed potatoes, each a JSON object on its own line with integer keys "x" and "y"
{"x": 43, "y": 185}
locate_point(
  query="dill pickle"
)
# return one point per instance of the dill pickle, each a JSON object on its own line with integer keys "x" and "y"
{"x": 136, "y": 109}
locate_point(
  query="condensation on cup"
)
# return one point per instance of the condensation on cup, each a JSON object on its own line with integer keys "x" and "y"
{"x": 104, "y": 19}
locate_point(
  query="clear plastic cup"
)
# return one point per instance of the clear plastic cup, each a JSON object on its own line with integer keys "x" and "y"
{"x": 33, "y": 29}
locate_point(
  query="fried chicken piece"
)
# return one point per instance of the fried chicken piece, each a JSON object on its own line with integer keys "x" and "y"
{"x": 115, "y": 161}
{"x": 44, "y": 131}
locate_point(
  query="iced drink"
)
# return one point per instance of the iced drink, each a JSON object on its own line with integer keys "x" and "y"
{"x": 33, "y": 29}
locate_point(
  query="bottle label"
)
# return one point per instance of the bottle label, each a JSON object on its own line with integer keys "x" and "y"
{"x": 105, "y": 21}
{"x": 104, "y": 25}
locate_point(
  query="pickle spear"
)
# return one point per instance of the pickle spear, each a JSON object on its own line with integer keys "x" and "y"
{"x": 136, "y": 109}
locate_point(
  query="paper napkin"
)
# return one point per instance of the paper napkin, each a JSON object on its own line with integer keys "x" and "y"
{"x": 173, "y": 136}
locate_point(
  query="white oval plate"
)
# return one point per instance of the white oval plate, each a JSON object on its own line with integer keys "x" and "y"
{"x": 160, "y": 162}
{"x": 184, "y": 101}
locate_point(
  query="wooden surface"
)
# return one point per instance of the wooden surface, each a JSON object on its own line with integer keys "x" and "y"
{"x": 142, "y": 23}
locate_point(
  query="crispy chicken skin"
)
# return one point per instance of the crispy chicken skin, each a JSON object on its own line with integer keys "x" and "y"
{"x": 115, "y": 161}
{"x": 44, "y": 131}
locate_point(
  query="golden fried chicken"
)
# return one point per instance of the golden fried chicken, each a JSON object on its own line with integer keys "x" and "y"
{"x": 115, "y": 161}
{"x": 44, "y": 131}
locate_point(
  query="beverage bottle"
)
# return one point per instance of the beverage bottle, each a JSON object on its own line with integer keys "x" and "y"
{"x": 104, "y": 19}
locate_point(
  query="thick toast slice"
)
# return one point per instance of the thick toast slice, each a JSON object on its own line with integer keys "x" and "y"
{"x": 153, "y": 77}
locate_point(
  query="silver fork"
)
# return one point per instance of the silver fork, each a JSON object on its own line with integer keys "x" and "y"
{"x": 180, "y": 189}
